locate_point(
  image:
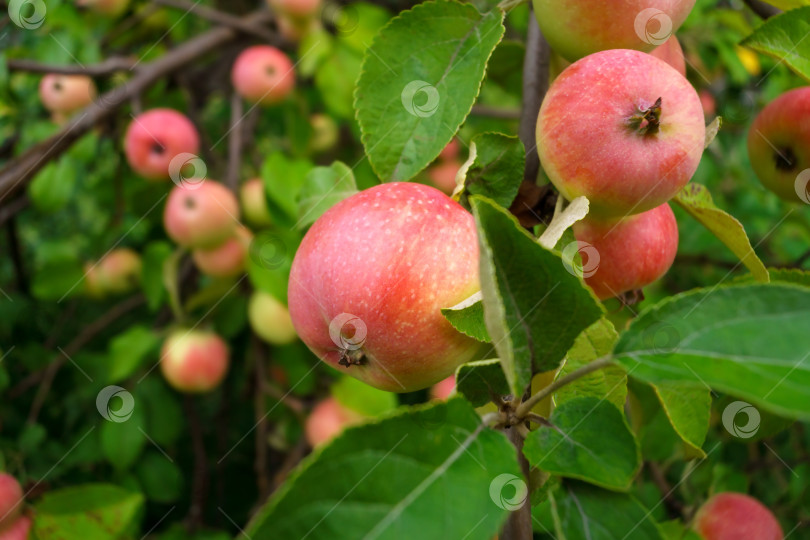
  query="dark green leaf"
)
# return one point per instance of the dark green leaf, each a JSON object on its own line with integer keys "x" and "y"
{"x": 122, "y": 440}
{"x": 469, "y": 320}
{"x": 323, "y": 188}
{"x": 128, "y": 350}
{"x": 688, "y": 409}
{"x": 497, "y": 171}
{"x": 479, "y": 381}
{"x": 154, "y": 256}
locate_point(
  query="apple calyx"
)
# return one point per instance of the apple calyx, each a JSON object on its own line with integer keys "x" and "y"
{"x": 647, "y": 121}
{"x": 351, "y": 357}
{"x": 785, "y": 159}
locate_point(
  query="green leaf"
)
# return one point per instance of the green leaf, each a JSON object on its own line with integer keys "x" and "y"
{"x": 270, "y": 258}
{"x": 424, "y": 472}
{"x": 780, "y": 275}
{"x": 53, "y": 187}
{"x": 362, "y": 398}
{"x": 750, "y": 341}
{"x": 335, "y": 79}
{"x": 421, "y": 76}
{"x": 283, "y": 179}
{"x": 469, "y": 320}
{"x": 128, "y": 350}
{"x": 122, "y": 441}
{"x": 161, "y": 479}
{"x": 533, "y": 307}
{"x": 688, "y": 409}
{"x": 609, "y": 383}
{"x": 162, "y": 411}
{"x": 497, "y": 171}
{"x": 590, "y": 440}
{"x": 89, "y": 512}
{"x": 783, "y": 37}
{"x": 323, "y": 188}
{"x": 697, "y": 201}
{"x": 583, "y": 511}
{"x": 478, "y": 381}
{"x": 785, "y": 5}
{"x": 154, "y": 255}
{"x": 57, "y": 279}
{"x": 675, "y": 530}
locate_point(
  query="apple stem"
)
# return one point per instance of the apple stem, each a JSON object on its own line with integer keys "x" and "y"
{"x": 647, "y": 121}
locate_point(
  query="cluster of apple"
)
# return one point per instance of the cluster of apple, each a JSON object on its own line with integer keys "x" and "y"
{"x": 623, "y": 128}
{"x": 13, "y": 524}
{"x": 442, "y": 173}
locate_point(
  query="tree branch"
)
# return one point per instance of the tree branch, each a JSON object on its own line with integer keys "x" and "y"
{"x": 222, "y": 18}
{"x": 259, "y": 410}
{"x": 234, "y": 143}
{"x": 763, "y": 10}
{"x": 535, "y": 85}
{"x": 20, "y": 170}
{"x": 107, "y": 67}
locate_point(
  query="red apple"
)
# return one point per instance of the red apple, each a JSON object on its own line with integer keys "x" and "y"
{"x": 443, "y": 175}
{"x": 119, "y": 271}
{"x": 263, "y": 74}
{"x": 577, "y": 28}
{"x": 226, "y": 259}
{"x": 622, "y": 128}
{"x": 632, "y": 252}
{"x": 194, "y": 360}
{"x": 155, "y": 137}
{"x": 11, "y": 500}
{"x": 444, "y": 388}
{"x": 370, "y": 278}
{"x": 297, "y": 9}
{"x": 201, "y": 215}
{"x": 19, "y": 530}
{"x": 451, "y": 150}
{"x": 779, "y": 145}
{"x": 327, "y": 420}
{"x": 708, "y": 102}
{"x": 254, "y": 203}
{"x": 65, "y": 94}
{"x": 671, "y": 52}
{"x": 270, "y": 319}
{"x": 734, "y": 516}
{"x": 324, "y": 132}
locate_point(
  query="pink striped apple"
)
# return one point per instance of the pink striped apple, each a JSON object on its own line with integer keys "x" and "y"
{"x": 735, "y": 516}
{"x": 200, "y": 215}
{"x": 11, "y": 500}
{"x": 156, "y": 137}
{"x": 263, "y": 74}
{"x": 194, "y": 361}
{"x": 369, "y": 281}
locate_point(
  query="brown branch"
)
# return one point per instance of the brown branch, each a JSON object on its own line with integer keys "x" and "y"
{"x": 495, "y": 112}
{"x": 290, "y": 461}
{"x": 221, "y": 18}
{"x": 90, "y": 331}
{"x": 11, "y": 209}
{"x": 16, "y": 255}
{"x": 199, "y": 486}
{"x": 674, "y": 507}
{"x": 763, "y": 10}
{"x": 519, "y": 524}
{"x": 535, "y": 85}
{"x": 260, "y": 412}
{"x": 109, "y": 66}
{"x": 235, "y": 143}
{"x": 20, "y": 170}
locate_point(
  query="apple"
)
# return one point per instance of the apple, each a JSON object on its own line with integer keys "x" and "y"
{"x": 110, "y": 8}
{"x": 194, "y": 360}
{"x": 324, "y": 132}
{"x": 64, "y": 94}
{"x": 671, "y": 52}
{"x": 443, "y": 175}
{"x": 444, "y": 388}
{"x": 201, "y": 215}
{"x": 226, "y": 259}
{"x": 119, "y": 271}
{"x": 734, "y": 516}
{"x": 779, "y": 144}
{"x": 19, "y": 530}
{"x": 254, "y": 203}
{"x": 632, "y": 252}
{"x": 296, "y": 9}
{"x": 327, "y": 420}
{"x": 708, "y": 102}
{"x": 263, "y": 74}
{"x": 270, "y": 319}
{"x": 370, "y": 278}
{"x": 624, "y": 129}
{"x": 450, "y": 151}
{"x": 577, "y": 28}
{"x": 11, "y": 500}
{"x": 295, "y": 29}
{"x": 155, "y": 137}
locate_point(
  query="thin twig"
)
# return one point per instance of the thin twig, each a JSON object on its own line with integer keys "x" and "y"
{"x": 109, "y": 66}
{"x": 16, "y": 255}
{"x": 199, "y": 487}
{"x": 535, "y": 85}
{"x": 763, "y": 10}
{"x": 235, "y": 143}
{"x": 221, "y": 18}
